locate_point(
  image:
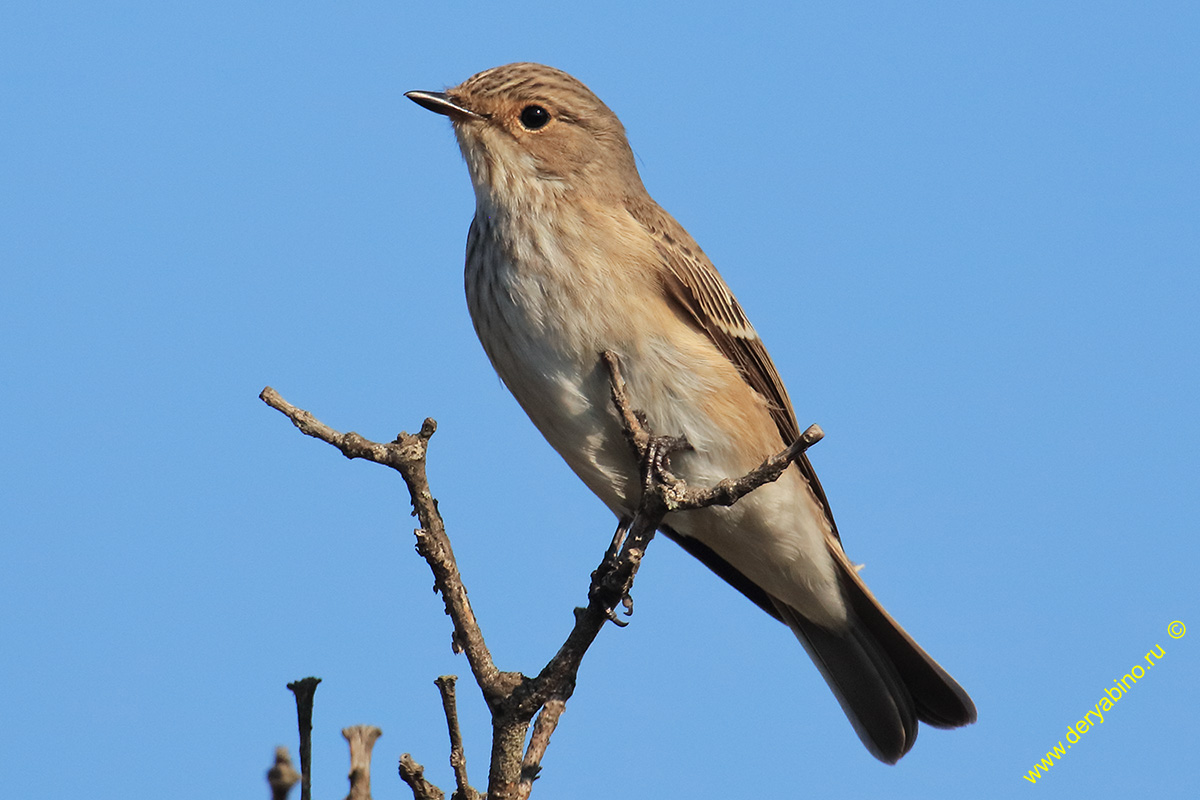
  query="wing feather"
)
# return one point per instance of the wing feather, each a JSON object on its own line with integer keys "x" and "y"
{"x": 697, "y": 290}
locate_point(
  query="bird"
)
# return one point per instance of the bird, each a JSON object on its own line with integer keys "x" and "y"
{"x": 568, "y": 257}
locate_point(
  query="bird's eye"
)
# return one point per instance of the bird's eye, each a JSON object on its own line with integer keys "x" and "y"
{"x": 534, "y": 117}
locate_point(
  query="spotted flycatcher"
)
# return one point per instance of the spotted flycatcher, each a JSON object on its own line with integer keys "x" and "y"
{"x": 567, "y": 257}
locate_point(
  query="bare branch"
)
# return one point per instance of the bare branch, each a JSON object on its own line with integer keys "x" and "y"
{"x": 406, "y": 455}
{"x": 513, "y": 698}
{"x": 730, "y": 490}
{"x": 304, "y": 689}
{"x": 282, "y": 776}
{"x": 413, "y": 774}
{"x": 543, "y": 728}
{"x": 362, "y": 741}
{"x": 632, "y": 423}
{"x": 458, "y": 758}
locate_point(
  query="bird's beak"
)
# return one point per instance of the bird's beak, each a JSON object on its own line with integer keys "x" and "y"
{"x": 440, "y": 103}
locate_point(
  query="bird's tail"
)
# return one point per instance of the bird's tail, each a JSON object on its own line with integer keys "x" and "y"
{"x": 883, "y": 679}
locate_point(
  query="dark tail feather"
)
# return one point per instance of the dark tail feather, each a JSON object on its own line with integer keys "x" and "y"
{"x": 865, "y": 682}
{"x": 939, "y": 700}
{"x": 883, "y": 679}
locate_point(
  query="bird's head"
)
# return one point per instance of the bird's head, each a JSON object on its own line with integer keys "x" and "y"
{"x": 530, "y": 132}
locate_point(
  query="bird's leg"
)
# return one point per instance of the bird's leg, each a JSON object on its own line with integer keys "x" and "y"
{"x": 608, "y": 566}
{"x": 614, "y": 549}
{"x": 661, "y": 489}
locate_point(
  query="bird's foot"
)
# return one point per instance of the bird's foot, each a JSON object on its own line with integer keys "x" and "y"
{"x": 657, "y": 477}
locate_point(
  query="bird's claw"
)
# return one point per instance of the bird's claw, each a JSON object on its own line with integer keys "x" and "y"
{"x": 614, "y": 619}
{"x": 658, "y": 460}
{"x": 627, "y": 604}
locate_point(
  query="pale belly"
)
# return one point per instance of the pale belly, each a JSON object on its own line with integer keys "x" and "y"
{"x": 548, "y": 355}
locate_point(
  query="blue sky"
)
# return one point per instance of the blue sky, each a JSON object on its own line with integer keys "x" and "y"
{"x": 967, "y": 233}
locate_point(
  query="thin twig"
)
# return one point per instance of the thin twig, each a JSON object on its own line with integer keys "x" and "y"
{"x": 632, "y": 423}
{"x": 406, "y": 455}
{"x": 413, "y": 774}
{"x": 543, "y": 729}
{"x": 304, "y": 689}
{"x": 730, "y": 490}
{"x": 458, "y": 758}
